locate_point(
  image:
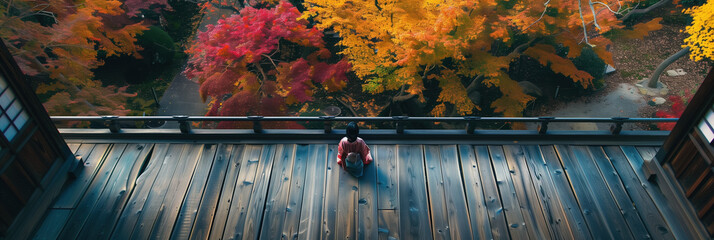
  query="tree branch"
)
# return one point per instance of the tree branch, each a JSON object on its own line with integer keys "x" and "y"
{"x": 347, "y": 106}
{"x": 645, "y": 10}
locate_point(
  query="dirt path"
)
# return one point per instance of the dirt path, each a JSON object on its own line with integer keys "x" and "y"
{"x": 634, "y": 59}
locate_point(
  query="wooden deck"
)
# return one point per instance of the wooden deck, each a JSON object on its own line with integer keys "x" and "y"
{"x": 227, "y": 191}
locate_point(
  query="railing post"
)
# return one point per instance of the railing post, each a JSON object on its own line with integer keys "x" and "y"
{"x": 257, "y": 127}
{"x": 183, "y": 123}
{"x": 400, "y": 124}
{"x": 544, "y": 124}
{"x": 328, "y": 123}
{"x": 471, "y": 124}
{"x": 113, "y": 123}
{"x": 617, "y": 127}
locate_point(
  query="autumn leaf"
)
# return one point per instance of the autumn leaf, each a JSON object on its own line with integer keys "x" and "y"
{"x": 546, "y": 57}
{"x": 243, "y": 72}
{"x": 641, "y": 30}
{"x": 701, "y": 32}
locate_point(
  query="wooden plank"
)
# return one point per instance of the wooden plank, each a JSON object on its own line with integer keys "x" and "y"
{"x": 311, "y": 212}
{"x": 52, "y": 224}
{"x": 79, "y": 150}
{"x": 511, "y": 206}
{"x": 478, "y": 212}
{"x": 437, "y": 202}
{"x": 605, "y": 202}
{"x": 388, "y": 224}
{"x": 413, "y": 206}
{"x": 655, "y": 223}
{"x": 116, "y": 193}
{"x": 588, "y": 204}
{"x": 561, "y": 184}
{"x": 368, "y": 221}
{"x": 329, "y": 209}
{"x": 527, "y": 197}
{"x": 674, "y": 215}
{"x": 75, "y": 189}
{"x": 171, "y": 184}
{"x": 387, "y": 176}
{"x": 93, "y": 193}
{"x": 387, "y": 191}
{"x": 225, "y": 155}
{"x": 179, "y": 187}
{"x": 150, "y": 209}
{"x": 702, "y": 199}
{"x": 279, "y": 192}
{"x": 237, "y": 169}
{"x": 194, "y": 194}
{"x": 235, "y": 197}
{"x": 670, "y": 190}
{"x": 347, "y": 222}
{"x": 144, "y": 183}
{"x": 257, "y": 197}
{"x": 459, "y": 223}
{"x": 559, "y": 205}
{"x": 494, "y": 206}
{"x": 612, "y": 179}
{"x": 291, "y": 224}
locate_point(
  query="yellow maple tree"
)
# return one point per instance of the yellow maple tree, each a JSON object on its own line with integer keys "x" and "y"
{"x": 398, "y": 45}
{"x": 701, "y": 32}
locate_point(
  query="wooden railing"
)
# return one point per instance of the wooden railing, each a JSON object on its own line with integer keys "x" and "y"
{"x": 399, "y": 122}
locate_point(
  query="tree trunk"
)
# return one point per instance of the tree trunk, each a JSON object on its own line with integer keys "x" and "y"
{"x": 655, "y": 76}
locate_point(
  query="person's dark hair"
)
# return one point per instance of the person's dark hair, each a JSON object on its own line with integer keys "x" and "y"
{"x": 352, "y": 131}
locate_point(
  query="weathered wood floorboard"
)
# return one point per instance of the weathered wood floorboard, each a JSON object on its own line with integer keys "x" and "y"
{"x": 561, "y": 185}
{"x": 297, "y": 191}
{"x": 278, "y": 193}
{"x": 315, "y": 176}
{"x": 387, "y": 190}
{"x": 93, "y": 156}
{"x": 527, "y": 197}
{"x": 329, "y": 209}
{"x": 605, "y": 205}
{"x": 617, "y": 190}
{"x": 291, "y": 220}
{"x": 459, "y": 223}
{"x": 435, "y": 183}
{"x": 347, "y": 224}
{"x": 553, "y": 208}
{"x": 478, "y": 212}
{"x": 414, "y": 209}
{"x": 227, "y": 157}
{"x": 189, "y": 208}
{"x": 144, "y": 183}
{"x": 673, "y": 216}
{"x": 259, "y": 193}
{"x": 367, "y": 203}
{"x": 235, "y": 197}
{"x": 511, "y": 206}
{"x": 167, "y": 194}
{"x": 598, "y": 226}
{"x": 93, "y": 193}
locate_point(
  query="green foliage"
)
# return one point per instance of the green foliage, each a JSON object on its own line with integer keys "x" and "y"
{"x": 589, "y": 62}
{"x": 181, "y": 22}
{"x": 158, "y": 46}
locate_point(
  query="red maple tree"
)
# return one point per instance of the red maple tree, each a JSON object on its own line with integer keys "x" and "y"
{"x": 260, "y": 61}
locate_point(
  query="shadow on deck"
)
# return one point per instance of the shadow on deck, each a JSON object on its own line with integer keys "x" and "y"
{"x": 272, "y": 191}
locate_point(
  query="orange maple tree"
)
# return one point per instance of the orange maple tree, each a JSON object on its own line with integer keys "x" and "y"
{"x": 60, "y": 42}
{"x": 399, "y": 45}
